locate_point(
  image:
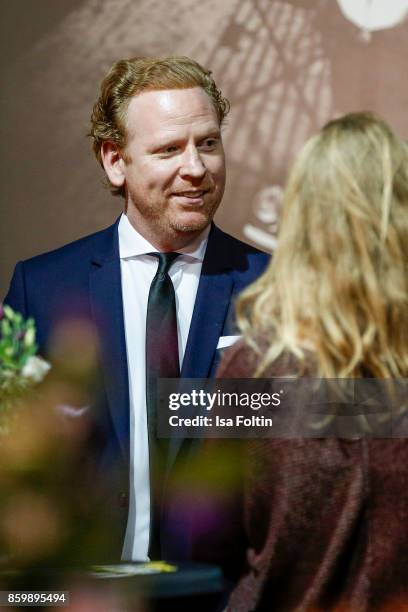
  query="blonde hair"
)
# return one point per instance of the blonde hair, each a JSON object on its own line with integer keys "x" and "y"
{"x": 129, "y": 77}
{"x": 337, "y": 287}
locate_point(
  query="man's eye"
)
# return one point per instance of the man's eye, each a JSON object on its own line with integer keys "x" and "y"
{"x": 209, "y": 143}
{"x": 167, "y": 151}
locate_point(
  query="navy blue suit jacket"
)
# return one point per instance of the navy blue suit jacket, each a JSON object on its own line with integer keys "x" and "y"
{"x": 84, "y": 279}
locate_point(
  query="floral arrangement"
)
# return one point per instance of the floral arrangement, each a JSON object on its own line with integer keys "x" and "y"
{"x": 20, "y": 367}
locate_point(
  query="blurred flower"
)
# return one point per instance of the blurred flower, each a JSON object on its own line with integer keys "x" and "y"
{"x": 35, "y": 369}
{"x": 52, "y": 506}
{"x": 20, "y": 512}
{"x": 20, "y": 369}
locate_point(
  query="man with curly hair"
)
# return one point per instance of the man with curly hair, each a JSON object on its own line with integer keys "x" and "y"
{"x": 156, "y": 130}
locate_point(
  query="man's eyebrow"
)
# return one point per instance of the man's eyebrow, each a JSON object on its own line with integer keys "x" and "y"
{"x": 166, "y": 142}
{"x": 174, "y": 140}
{"x": 214, "y": 133}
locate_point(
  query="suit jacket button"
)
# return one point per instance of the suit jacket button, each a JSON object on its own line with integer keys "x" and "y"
{"x": 123, "y": 499}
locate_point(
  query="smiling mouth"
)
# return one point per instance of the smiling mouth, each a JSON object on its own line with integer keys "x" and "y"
{"x": 193, "y": 195}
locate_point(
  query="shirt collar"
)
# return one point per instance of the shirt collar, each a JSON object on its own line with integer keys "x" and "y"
{"x": 132, "y": 243}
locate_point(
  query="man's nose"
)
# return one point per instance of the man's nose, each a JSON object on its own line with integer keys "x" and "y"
{"x": 192, "y": 164}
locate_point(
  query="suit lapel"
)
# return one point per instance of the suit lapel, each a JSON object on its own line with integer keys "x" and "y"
{"x": 107, "y": 310}
{"x": 210, "y": 310}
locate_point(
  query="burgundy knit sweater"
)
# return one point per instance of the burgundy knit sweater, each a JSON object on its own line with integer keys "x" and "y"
{"x": 326, "y": 519}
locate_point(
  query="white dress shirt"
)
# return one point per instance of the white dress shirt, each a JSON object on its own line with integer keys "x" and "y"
{"x": 137, "y": 272}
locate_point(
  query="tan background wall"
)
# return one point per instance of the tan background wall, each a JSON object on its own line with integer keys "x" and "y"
{"x": 287, "y": 67}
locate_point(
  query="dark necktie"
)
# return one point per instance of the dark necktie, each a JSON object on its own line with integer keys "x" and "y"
{"x": 162, "y": 361}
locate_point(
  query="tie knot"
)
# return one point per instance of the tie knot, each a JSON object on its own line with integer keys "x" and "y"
{"x": 165, "y": 261}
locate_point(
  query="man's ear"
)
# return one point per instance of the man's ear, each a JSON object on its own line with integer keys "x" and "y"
{"x": 113, "y": 163}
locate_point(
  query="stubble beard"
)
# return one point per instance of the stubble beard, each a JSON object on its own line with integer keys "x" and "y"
{"x": 198, "y": 226}
{"x": 167, "y": 225}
